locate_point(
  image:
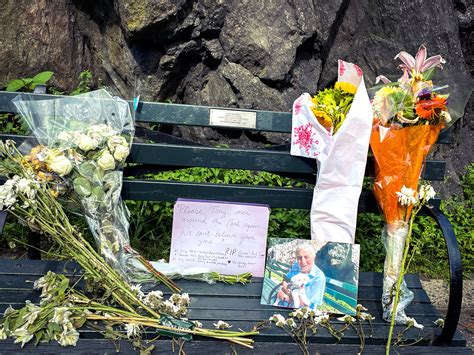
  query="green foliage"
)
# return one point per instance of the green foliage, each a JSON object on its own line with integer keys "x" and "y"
{"x": 151, "y": 223}
{"x": 85, "y": 81}
{"x": 29, "y": 84}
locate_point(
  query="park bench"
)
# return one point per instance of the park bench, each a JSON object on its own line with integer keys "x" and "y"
{"x": 240, "y": 304}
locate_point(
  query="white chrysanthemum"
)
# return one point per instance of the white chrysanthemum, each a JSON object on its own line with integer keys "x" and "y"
{"x": 22, "y": 335}
{"x": 278, "y": 319}
{"x": 222, "y": 325}
{"x": 411, "y": 322}
{"x": 426, "y": 192}
{"x": 137, "y": 289}
{"x": 321, "y": 319}
{"x": 347, "y": 319}
{"x": 153, "y": 299}
{"x": 439, "y": 322}
{"x": 407, "y": 196}
{"x": 69, "y": 336}
{"x": 366, "y": 316}
{"x": 116, "y": 141}
{"x": 197, "y": 323}
{"x": 3, "y": 333}
{"x": 8, "y": 195}
{"x": 61, "y": 315}
{"x": 133, "y": 330}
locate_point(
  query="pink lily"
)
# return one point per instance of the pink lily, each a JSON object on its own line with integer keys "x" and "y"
{"x": 419, "y": 64}
{"x": 403, "y": 79}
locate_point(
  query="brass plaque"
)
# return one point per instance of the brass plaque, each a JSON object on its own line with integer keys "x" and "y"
{"x": 232, "y": 118}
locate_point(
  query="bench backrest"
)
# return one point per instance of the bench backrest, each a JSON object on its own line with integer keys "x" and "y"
{"x": 173, "y": 153}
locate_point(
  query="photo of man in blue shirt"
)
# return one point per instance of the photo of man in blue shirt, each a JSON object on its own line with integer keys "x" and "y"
{"x": 314, "y": 287}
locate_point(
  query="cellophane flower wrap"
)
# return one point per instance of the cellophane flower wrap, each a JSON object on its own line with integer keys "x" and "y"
{"x": 85, "y": 140}
{"x": 333, "y": 127}
{"x": 408, "y": 116}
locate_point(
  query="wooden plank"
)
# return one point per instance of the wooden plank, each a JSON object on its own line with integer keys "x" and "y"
{"x": 247, "y": 159}
{"x": 180, "y": 114}
{"x": 209, "y": 299}
{"x": 184, "y": 156}
{"x": 30, "y": 268}
{"x": 95, "y": 346}
{"x": 275, "y": 197}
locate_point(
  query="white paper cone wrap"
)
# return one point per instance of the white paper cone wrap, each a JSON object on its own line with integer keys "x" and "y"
{"x": 341, "y": 174}
{"x": 341, "y": 160}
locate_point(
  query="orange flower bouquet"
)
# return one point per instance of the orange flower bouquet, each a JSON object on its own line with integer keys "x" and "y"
{"x": 408, "y": 117}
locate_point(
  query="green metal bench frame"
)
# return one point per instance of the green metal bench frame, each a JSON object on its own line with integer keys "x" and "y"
{"x": 174, "y": 153}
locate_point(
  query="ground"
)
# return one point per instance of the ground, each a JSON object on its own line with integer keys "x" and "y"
{"x": 438, "y": 292}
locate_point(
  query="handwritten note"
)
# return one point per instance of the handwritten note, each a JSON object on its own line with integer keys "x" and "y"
{"x": 228, "y": 238}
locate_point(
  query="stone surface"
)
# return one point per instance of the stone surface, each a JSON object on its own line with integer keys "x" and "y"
{"x": 234, "y": 53}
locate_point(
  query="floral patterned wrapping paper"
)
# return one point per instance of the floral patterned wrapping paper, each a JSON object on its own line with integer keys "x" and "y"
{"x": 341, "y": 159}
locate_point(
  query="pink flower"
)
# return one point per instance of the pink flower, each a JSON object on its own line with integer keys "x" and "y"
{"x": 341, "y": 68}
{"x": 420, "y": 63}
{"x": 304, "y": 137}
{"x": 297, "y": 106}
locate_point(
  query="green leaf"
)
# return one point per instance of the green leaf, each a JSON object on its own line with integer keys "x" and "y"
{"x": 15, "y": 85}
{"x": 42, "y": 77}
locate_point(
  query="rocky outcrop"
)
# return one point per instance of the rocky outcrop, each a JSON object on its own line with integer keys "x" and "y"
{"x": 233, "y": 53}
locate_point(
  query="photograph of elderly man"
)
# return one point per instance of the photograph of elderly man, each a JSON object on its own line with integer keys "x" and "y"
{"x": 306, "y": 276}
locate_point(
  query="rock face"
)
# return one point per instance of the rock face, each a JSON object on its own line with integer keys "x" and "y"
{"x": 234, "y": 53}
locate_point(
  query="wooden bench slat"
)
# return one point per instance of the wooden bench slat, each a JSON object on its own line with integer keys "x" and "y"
{"x": 246, "y": 159}
{"x": 181, "y": 156}
{"x": 33, "y": 269}
{"x": 275, "y": 197}
{"x": 227, "y": 300}
{"x": 199, "y": 346}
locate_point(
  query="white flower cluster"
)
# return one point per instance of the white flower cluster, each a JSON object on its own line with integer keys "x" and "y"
{"x": 46, "y": 284}
{"x": 409, "y": 197}
{"x": 133, "y": 330}
{"x": 69, "y": 336}
{"x": 18, "y": 188}
{"x": 222, "y": 325}
{"x": 176, "y": 305}
{"x": 406, "y": 196}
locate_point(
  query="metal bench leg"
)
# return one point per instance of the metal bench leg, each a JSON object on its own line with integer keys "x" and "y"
{"x": 34, "y": 240}
{"x": 455, "y": 271}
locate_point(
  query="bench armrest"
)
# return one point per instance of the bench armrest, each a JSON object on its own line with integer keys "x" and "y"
{"x": 455, "y": 271}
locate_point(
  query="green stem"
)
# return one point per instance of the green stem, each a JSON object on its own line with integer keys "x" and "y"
{"x": 399, "y": 284}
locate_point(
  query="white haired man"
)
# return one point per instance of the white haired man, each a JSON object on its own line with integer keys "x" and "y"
{"x": 314, "y": 288}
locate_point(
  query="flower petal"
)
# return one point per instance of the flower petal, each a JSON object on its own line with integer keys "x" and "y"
{"x": 431, "y": 62}
{"x": 383, "y": 79}
{"x": 407, "y": 59}
{"x": 420, "y": 58}
{"x": 404, "y": 78}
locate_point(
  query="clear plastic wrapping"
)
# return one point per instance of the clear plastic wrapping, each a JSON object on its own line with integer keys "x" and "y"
{"x": 84, "y": 140}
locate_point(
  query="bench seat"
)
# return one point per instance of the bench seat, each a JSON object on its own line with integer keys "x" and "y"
{"x": 240, "y": 306}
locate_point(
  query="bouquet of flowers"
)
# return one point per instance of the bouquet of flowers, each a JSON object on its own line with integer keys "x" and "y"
{"x": 408, "y": 117}
{"x": 31, "y": 195}
{"x": 333, "y": 127}
{"x": 83, "y": 143}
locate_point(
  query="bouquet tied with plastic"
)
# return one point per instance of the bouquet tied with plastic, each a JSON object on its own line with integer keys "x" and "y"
{"x": 333, "y": 127}
{"x": 83, "y": 143}
{"x": 409, "y": 114}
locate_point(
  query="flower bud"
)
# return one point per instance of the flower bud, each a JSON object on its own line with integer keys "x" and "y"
{"x": 60, "y": 165}
{"x": 86, "y": 143}
{"x": 121, "y": 152}
{"x": 106, "y": 161}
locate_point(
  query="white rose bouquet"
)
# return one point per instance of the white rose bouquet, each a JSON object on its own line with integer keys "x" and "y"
{"x": 84, "y": 141}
